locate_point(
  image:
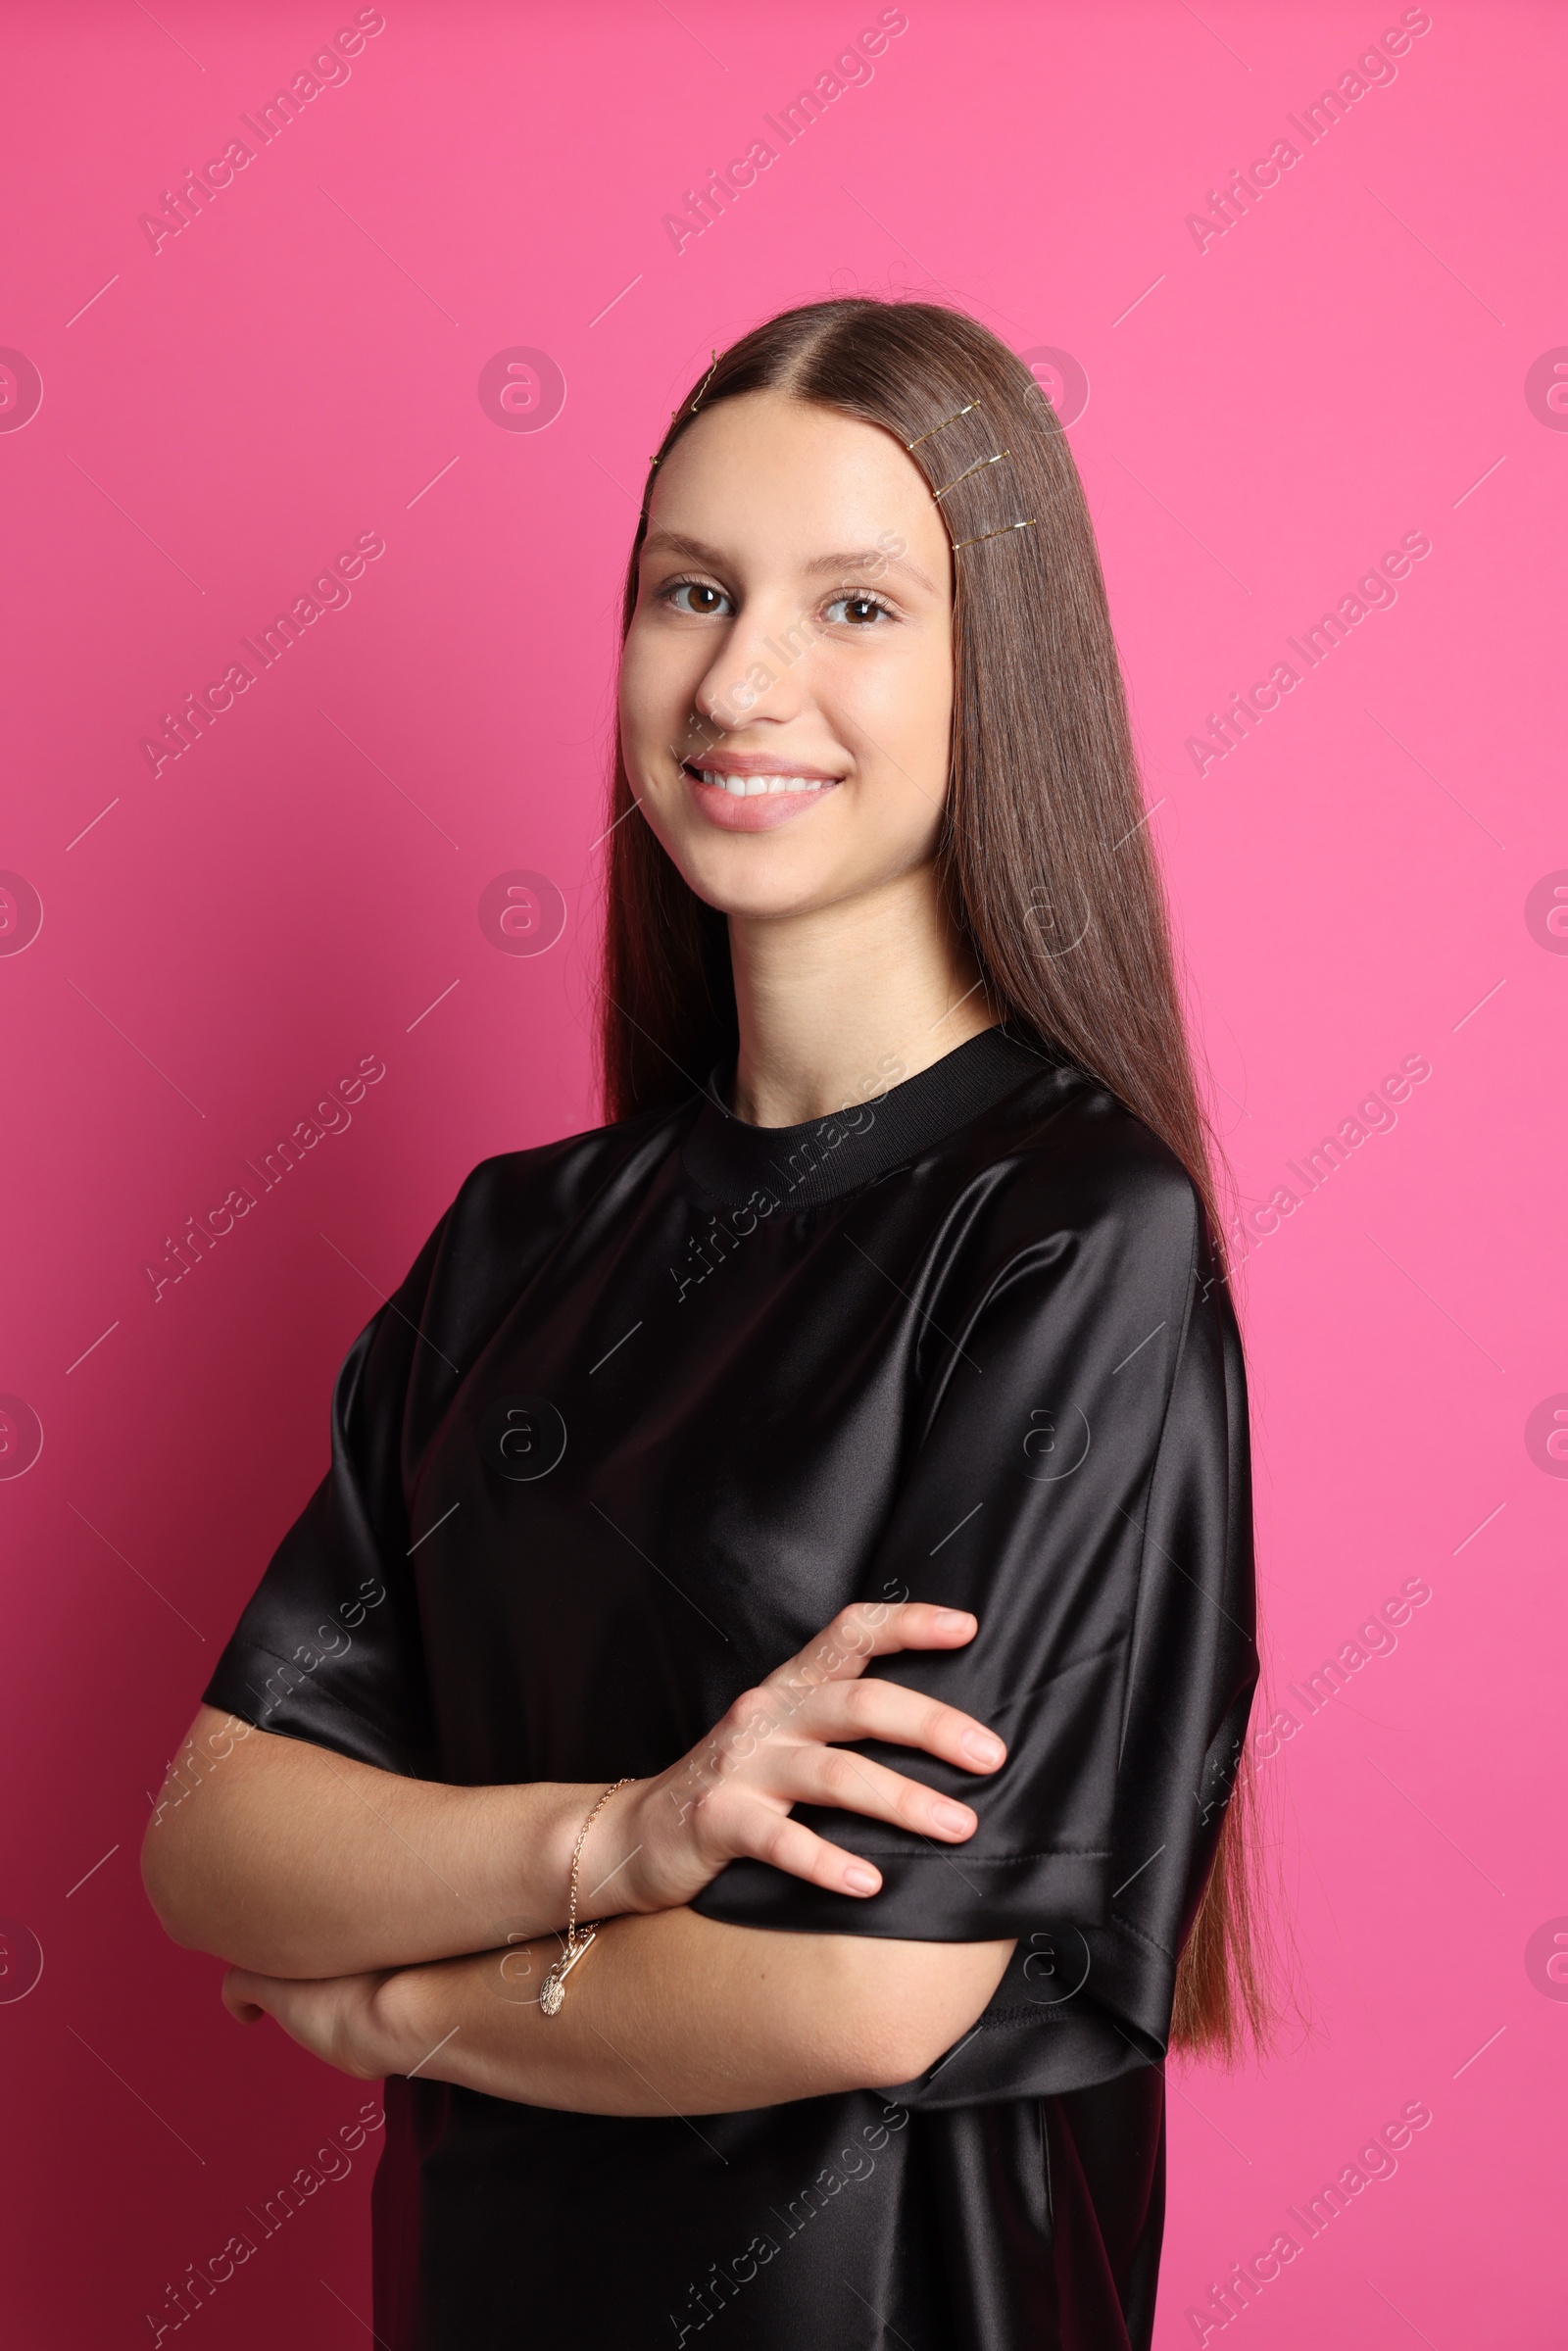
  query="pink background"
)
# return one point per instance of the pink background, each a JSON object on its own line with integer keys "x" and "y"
{"x": 1266, "y": 416}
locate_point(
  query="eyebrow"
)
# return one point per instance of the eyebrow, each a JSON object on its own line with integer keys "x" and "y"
{"x": 858, "y": 558}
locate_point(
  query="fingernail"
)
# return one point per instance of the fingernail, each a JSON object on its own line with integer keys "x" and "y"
{"x": 982, "y": 1746}
{"x": 950, "y": 1620}
{"x": 861, "y": 1881}
{"x": 951, "y": 1816}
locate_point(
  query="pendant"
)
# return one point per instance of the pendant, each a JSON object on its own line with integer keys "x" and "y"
{"x": 553, "y": 1990}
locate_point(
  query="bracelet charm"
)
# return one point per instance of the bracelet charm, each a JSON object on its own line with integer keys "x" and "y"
{"x": 553, "y": 1990}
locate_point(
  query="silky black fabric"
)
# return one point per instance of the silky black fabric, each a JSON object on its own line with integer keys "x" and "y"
{"x": 653, "y": 1404}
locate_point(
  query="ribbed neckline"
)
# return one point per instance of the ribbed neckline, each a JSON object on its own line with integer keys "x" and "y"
{"x": 800, "y": 1167}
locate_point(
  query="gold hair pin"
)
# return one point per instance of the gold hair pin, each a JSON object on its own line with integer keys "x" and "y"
{"x": 1027, "y": 524}
{"x": 691, "y": 408}
{"x": 978, "y": 467}
{"x": 703, "y": 386}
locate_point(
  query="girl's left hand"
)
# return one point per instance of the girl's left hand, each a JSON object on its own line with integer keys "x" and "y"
{"x": 338, "y": 2018}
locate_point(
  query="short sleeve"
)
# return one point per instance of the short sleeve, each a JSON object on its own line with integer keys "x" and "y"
{"x": 328, "y": 1647}
{"x": 1080, "y": 1479}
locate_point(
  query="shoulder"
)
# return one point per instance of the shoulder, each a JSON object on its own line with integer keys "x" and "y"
{"x": 560, "y": 1179}
{"x": 1092, "y": 1225}
{"x": 511, "y": 1210}
{"x": 1088, "y": 1187}
{"x": 1067, "y": 1159}
{"x": 509, "y": 1216}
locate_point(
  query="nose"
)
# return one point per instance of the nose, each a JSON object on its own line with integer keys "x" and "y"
{"x": 758, "y": 671}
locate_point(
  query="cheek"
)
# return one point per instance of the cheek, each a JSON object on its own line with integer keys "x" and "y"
{"x": 895, "y": 713}
{"x": 658, "y": 676}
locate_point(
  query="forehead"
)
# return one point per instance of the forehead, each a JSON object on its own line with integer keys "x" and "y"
{"x": 768, "y": 473}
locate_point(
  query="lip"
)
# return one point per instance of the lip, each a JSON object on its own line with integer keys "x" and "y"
{"x": 757, "y": 811}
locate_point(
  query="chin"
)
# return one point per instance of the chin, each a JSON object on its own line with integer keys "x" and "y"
{"x": 760, "y": 887}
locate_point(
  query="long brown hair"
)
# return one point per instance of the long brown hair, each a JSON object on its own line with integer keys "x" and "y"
{"x": 1043, "y": 855}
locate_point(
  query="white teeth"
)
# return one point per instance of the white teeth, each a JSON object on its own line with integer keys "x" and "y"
{"x": 744, "y": 787}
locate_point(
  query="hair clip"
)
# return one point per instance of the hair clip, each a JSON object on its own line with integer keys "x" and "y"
{"x": 943, "y": 427}
{"x": 692, "y": 405}
{"x": 978, "y": 467}
{"x": 1027, "y": 524}
{"x": 703, "y": 386}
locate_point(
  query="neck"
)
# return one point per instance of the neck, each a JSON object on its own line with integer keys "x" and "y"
{"x": 837, "y": 1005}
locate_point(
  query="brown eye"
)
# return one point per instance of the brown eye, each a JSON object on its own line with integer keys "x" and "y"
{"x": 861, "y": 612}
{"x": 694, "y": 596}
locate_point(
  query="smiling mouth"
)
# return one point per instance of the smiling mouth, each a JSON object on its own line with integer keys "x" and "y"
{"x": 752, "y": 787}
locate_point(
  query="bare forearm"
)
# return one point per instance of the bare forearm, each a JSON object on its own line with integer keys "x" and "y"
{"x": 675, "y": 2013}
{"x": 290, "y": 1860}
{"x": 287, "y": 1858}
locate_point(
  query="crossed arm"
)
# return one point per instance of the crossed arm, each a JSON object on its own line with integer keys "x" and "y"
{"x": 394, "y": 1926}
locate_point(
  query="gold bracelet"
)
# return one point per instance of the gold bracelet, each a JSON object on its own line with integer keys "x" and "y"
{"x": 553, "y": 1990}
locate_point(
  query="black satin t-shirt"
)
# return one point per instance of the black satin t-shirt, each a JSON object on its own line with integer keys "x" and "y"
{"x": 652, "y": 1405}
